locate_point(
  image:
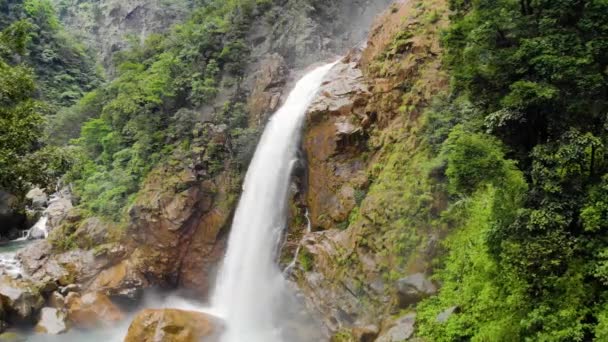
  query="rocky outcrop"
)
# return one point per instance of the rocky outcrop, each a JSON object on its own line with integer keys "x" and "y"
{"x": 107, "y": 25}
{"x": 364, "y": 190}
{"x": 335, "y": 141}
{"x": 20, "y": 299}
{"x": 171, "y": 325}
{"x": 43, "y": 264}
{"x": 59, "y": 209}
{"x": 266, "y": 84}
{"x": 37, "y": 199}
{"x": 413, "y": 288}
{"x": 178, "y": 234}
{"x": 306, "y": 32}
{"x": 92, "y": 310}
{"x": 399, "y": 330}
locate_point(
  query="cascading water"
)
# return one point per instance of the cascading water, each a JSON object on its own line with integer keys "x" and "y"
{"x": 250, "y": 290}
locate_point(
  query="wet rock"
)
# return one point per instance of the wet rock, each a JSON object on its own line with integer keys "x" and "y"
{"x": 52, "y": 321}
{"x": 443, "y": 316}
{"x": 20, "y": 298}
{"x": 56, "y": 300}
{"x": 171, "y": 325}
{"x": 266, "y": 84}
{"x": 65, "y": 290}
{"x": 92, "y": 310}
{"x": 334, "y": 142}
{"x": 177, "y": 232}
{"x": 121, "y": 280}
{"x": 37, "y": 198}
{"x": 42, "y": 264}
{"x": 58, "y": 210}
{"x": 400, "y": 330}
{"x": 39, "y": 230}
{"x": 414, "y": 288}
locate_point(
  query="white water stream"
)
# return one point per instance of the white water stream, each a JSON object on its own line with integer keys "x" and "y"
{"x": 250, "y": 291}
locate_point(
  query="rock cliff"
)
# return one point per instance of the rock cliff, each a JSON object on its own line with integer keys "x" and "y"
{"x": 369, "y": 255}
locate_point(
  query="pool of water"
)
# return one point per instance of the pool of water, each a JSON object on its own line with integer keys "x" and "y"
{"x": 8, "y": 263}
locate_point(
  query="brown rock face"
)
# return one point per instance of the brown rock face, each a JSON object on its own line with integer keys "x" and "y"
{"x": 177, "y": 234}
{"x": 368, "y": 196}
{"x": 171, "y": 325}
{"x": 92, "y": 310}
{"x": 266, "y": 84}
{"x": 334, "y": 143}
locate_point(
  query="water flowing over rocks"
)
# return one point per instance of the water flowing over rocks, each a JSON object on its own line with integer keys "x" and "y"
{"x": 52, "y": 321}
{"x": 176, "y": 233}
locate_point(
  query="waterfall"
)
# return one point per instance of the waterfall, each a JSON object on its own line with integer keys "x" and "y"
{"x": 250, "y": 288}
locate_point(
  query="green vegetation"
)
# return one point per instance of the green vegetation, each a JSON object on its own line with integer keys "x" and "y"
{"x": 24, "y": 160}
{"x": 41, "y": 68}
{"x": 63, "y": 69}
{"x": 152, "y": 112}
{"x": 523, "y": 141}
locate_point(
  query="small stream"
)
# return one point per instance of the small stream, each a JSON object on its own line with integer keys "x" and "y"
{"x": 8, "y": 263}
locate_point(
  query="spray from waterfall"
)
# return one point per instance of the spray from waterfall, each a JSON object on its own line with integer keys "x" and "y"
{"x": 251, "y": 290}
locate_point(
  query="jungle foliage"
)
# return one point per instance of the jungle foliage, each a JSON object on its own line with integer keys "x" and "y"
{"x": 523, "y": 138}
{"x": 152, "y": 111}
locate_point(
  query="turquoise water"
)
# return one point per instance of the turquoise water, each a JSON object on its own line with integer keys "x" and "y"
{"x": 8, "y": 250}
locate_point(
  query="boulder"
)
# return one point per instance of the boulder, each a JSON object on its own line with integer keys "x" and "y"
{"x": 56, "y": 300}
{"x": 20, "y": 298}
{"x": 92, "y": 310}
{"x": 177, "y": 232}
{"x": 121, "y": 280}
{"x": 414, "y": 288}
{"x": 52, "y": 321}
{"x": 171, "y": 325}
{"x": 91, "y": 232}
{"x": 37, "y": 198}
{"x": 57, "y": 211}
{"x": 400, "y": 330}
{"x": 41, "y": 263}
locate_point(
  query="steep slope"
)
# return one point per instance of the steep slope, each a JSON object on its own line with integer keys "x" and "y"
{"x": 109, "y": 26}
{"x": 370, "y": 189}
{"x": 165, "y": 189}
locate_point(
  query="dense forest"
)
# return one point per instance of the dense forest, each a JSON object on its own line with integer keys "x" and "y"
{"x": 107, "y": 136}
{"x": 523, "y": 139}
{"x": 520, "y": 142}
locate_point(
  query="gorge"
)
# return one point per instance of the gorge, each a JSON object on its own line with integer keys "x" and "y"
{"x": 443, "y": 180}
